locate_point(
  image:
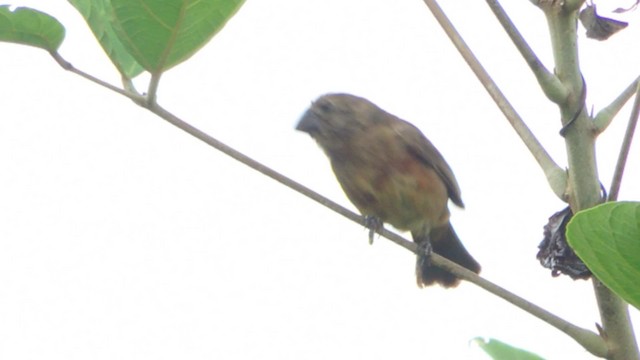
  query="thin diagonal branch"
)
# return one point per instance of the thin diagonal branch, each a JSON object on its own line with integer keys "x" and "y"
{"x": 624, "y": 149}
{"x": 556, "y": 176}
{"x": 255, "y": 165}
{"x": 588, "y": 339}
{"x": 606, "y": 115}
{"x": 549, "y": 82}
{"x": 591, "y": 341}
{"x": 138, "y": 99}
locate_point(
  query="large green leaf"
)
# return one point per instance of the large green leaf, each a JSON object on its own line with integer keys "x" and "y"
{"x": 607, "y": 239}
{"x": 99, "y": 16}
{"x": 502, "y": 351}
{"x": 30, "y": 27}
{"x": 161, "y": 34}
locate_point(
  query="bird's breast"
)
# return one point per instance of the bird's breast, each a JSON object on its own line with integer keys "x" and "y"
{"x": 395, "y": 186}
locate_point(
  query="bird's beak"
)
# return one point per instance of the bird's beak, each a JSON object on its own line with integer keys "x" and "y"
{"x": 308, "y": 122}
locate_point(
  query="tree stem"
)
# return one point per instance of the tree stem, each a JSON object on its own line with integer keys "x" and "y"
{"x": 584, "y": 186}
{"x": 616, "y": 324}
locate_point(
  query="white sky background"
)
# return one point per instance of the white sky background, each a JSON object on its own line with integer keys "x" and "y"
{"x": 122, "y": 237}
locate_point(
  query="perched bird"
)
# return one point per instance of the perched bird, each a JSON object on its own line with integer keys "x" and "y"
{"x": 391, "y": 172}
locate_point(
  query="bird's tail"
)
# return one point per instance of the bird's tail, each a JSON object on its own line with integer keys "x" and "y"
{"x": 445, "y": 243}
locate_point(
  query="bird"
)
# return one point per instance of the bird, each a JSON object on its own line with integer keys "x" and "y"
{"x": 392, "y": 174}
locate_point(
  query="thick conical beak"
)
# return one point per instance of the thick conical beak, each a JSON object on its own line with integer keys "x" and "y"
{"x": 308, "y": 122}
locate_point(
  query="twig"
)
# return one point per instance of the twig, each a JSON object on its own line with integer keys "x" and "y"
{"x": 244, "y": 159}
{"x": 138, "y": 99}
{"x": 591, "y": 341}
{"x": 624, "y": 149}
{"x": 556, "y": 176}
{"x": 606, "y": 115}
{"x": 549, "y": 82}
{"x": 588, "y": 339}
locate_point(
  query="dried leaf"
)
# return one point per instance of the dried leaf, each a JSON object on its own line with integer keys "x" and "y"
{"x": 598, "y": 27}
{"x": 555, "y": 253}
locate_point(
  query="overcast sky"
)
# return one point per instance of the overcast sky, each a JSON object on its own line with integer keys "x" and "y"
{"x": 121, "y": 237}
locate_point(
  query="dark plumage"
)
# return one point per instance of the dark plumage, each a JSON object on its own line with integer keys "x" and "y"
{"x": 389, "y": 170}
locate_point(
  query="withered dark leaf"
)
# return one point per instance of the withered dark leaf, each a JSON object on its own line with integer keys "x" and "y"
{"x": 598, "y": 27}
{"x": 555, "y": 253}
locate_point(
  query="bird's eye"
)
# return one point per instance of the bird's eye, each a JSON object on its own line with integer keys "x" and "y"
{"x": 324, "y": 106}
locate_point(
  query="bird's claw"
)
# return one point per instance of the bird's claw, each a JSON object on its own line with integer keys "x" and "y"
{"x": 374, "y": 224}
{"x": 425, "y": 249}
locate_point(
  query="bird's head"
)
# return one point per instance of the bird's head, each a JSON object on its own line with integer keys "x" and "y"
{"x": 333, "y": 119}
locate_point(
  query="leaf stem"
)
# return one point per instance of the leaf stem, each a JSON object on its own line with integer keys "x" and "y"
{"x": 152, "y": 92}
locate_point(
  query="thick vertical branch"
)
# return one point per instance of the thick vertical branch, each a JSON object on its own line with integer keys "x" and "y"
{"x": 616, "y": 324}
{"x": 584, "y": 186}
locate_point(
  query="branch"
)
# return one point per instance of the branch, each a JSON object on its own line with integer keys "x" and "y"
{"x": 577, "y": 124}
{"x": 585, "y": 193}
{"x": 591, "y": 341}
{"x": 255, "y": 165}
{"x": 616, "y": 324}
{"x": 69, "y": 67}
{"x": 626, "y": 145}
{"x": 606, "y": 115}
{"x": 556, "y": 176}
{"x": 550, "y": 84}
{"x": 588, "y": 339}
{"x": 612, "y": 307}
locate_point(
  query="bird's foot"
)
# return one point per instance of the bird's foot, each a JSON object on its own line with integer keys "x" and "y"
{"x": 374, "y": 224}
{"x": 425, "y": 249}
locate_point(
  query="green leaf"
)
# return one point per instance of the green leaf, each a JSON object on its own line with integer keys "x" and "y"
{"x": 502, "y": 351}
{"x": 99, "y": 16}
{"x": 30, "y": 27}
{"x": 607, "y": 239}
{"x": 162, "y": 34}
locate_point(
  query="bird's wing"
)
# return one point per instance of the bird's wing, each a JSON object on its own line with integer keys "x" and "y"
{"x": 423, "y": 149}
